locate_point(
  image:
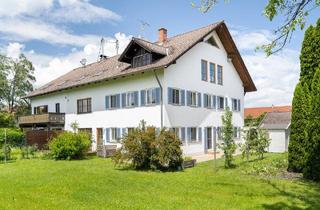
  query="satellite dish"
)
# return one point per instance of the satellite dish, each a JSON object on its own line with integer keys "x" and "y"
{"x": 83, "y": 61}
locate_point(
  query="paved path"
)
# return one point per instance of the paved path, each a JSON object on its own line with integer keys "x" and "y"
{"x": 210, "y": 156}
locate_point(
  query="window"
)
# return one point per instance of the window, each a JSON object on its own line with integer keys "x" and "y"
{"x": 57, "y": 107}
{"x": 40, "y": 109}
{"x": 113, "y": 101}
{"x": 115, "y": 134}
{"x": 207, "y": 101}
{"x": 236, "y": 132}
{"x": 130, "y": 99}
{"x": 212, "y": 41}
{"x": 141, "y": 60}
{"x": 130, "y": 129}
{"x": 193, "y": 98}
{"x": 212, "y": 73}
{"x": 175, "y": 96}
{"x": 220, "y": 75}
{"x": 193, "y": 134}
{"x": 236, "y": 105}
{"x": 84, "y": 105}
{"x": 204, "y": 73}
{"x": 220, "y": 102}
{"x": 175, "y": 131}
{"x": 151, "y": 96}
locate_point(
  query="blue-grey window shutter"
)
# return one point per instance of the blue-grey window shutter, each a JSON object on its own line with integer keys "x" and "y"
{"x": 199, "y": 99}
{"x": 107, "y": 102}
{"x": 158, "y": 95}
{"x": 205, "y": 138}
{"x": 214, "y": 102}
{"x": 169, "y": 95}
{"x": 183, "y": 97}
{"x": 205, "y": 100}
{"x": 188, "y": 98}
{"x": 136, "y": 98}
{"x": 200, "y": 134}
{"x": 183, "y": 134}
{"x": 189, "y": 134}
{"x": 108, "y": 134}
{"x": 239, "y": 105}
{"x": 118, "y": 100}
{"x": 142, "y": 97}
{"x": 226, "y": 102}
{"x": 119, "y": 131}
{"x": 123, "y": 100}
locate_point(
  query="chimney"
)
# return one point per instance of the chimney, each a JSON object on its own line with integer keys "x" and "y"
{"x": 162, "y": 35}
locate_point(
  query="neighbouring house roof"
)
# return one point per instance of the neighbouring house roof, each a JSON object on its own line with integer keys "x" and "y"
{"x": 172, "y": 49}
{"x": 276, "y": 120}
{"x": 258, "y": 111}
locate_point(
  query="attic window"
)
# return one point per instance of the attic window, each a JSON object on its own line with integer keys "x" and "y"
{"x": 212, "y": 41}
{"x": 141, "y": 60}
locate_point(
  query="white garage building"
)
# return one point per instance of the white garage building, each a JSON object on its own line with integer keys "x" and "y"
{"x": 278, "y": 126}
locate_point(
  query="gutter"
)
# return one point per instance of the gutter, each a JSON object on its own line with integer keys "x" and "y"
{"x": 161, "y": 97}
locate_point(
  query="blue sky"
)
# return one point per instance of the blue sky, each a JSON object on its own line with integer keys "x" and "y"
{"x": 56, "y": 34}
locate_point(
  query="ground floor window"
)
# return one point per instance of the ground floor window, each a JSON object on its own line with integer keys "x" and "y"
{"x": 115, "y": 134}
{"x": 193, "y": 134}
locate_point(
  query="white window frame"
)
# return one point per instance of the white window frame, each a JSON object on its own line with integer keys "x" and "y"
{"x": 174, "y": 92}
{"x": 115, "y": 136}
{"x": 193, "y": 98}
{"x": 235, "y": 104}
{"x": 196, "y": 139}
{"x": 218, "y": 102}
{"x": 209, "y": 101}
{"x": 150, "y": 97}
{"x": 130, "y": 102}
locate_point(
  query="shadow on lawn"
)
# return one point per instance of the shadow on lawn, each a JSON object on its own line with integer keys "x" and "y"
{"x": 310, "y": 199}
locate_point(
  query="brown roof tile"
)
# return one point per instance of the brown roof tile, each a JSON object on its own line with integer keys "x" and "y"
{"x": 257, "y": 111}
{"x": 178, "y": 45}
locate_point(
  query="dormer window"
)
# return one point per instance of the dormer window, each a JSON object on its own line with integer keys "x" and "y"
{"x": 141, "y": 60}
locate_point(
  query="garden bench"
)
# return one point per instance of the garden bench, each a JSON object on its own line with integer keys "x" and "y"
{"x": 189, "y": 163}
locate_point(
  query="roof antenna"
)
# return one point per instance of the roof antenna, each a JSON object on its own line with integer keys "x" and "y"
{"x": 101, "y": 50}
{"x": 143, "y": 25}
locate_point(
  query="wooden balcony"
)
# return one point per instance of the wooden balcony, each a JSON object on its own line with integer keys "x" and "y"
{"x": 46, "y": 119}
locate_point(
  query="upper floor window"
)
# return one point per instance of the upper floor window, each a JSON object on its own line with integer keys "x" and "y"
{"x": 84, "y": 105}
{"x": 235, "y": 105}
{"x": 212, "y": 73}
{"x": 141, "y": 60}
{"x": 130, "y": 99}
{"x": 113, "y": 101}
{"x": 193, "y": 98}
{"x": 57, "y": 107}
{"x": 204, "y": 71}
{"x": 220, "y": 75}
{"x": 175, "y": 96}
{"x": 220, "y": 102}
{"x": 40, "y": 109}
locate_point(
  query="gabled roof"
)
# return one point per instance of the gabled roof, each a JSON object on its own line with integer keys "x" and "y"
{"x": 276, "y": 120}
{"x": 255, "y": 112}
{"x": 112, "y": 68}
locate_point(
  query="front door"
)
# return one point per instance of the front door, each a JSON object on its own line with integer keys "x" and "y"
{"x": 209, "y": 138}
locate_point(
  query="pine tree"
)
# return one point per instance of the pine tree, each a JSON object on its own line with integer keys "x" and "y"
{"x": 310, "y": 53}
{"x": 298, "y": 135}
{"x": 312, "y": 165}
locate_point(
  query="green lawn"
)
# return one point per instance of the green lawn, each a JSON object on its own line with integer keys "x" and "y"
{"x": 95, "y": 184}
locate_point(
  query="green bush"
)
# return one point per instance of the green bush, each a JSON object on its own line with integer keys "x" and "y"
{"x": 142, "y": 148}
{"x": 68, "y": 146}
{"x": 168, "y": 154}
{"x": 6, "y": 120}
{"x": 28, "y": 151}
{"x": 5, "y": 153}
{"x": 15, "y": 137}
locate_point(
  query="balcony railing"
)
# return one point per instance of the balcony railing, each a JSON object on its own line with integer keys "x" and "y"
{"x": 48, "y": 118}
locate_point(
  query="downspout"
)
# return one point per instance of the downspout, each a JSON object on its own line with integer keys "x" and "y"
{"x": 161, "y": 97}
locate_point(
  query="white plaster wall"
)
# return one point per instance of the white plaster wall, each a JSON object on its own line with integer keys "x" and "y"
{"x": 186, "y": 74}
{"x": 279, "y": 142}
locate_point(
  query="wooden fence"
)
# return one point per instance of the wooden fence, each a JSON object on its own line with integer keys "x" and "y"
{"x": 40, "y": 138}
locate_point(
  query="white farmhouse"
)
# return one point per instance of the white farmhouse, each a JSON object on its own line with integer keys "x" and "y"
{"x": 184, "y": 82}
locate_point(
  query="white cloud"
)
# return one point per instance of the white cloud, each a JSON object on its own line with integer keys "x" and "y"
{"x": 250, "y": 40}
{"x": 49, "y": 67}
{"x": 13, "y": 8}
{"x": 82, "y": 11}
{"x": 14, "y": 50}
{"x": 30, "y": 29}
{"x": 275, "y": 78}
